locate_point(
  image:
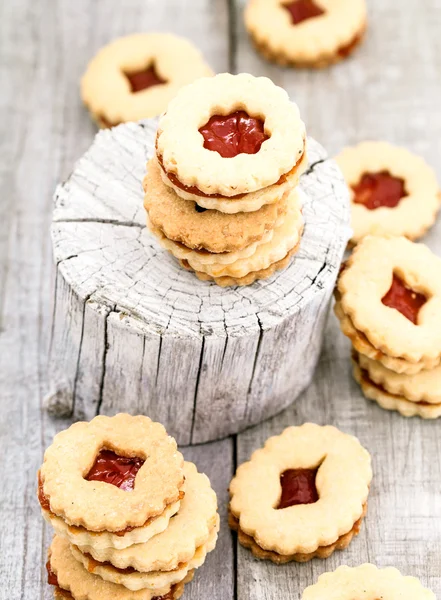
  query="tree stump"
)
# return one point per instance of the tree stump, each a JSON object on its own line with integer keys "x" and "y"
{"x": 135, "y": 332}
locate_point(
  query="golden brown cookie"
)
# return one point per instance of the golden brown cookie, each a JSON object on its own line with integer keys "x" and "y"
{"x": 393, "y": 192}
{"x": 182, "y": 221}
{"x": 315, "y": 493}
{"x": 367, "y": 581}
{"x": 390, "y": 289}
{"x": 306, "y": 33}
{"x": 230, "y": 135}
{"x": 136, "y": 76}
{"x": 111, "y": 473}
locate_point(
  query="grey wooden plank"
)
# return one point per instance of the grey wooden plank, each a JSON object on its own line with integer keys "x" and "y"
{"x": 44, "y": 48}
{"x": 389, "y": 90}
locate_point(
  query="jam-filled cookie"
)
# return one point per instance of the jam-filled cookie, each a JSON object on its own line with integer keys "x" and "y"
{"x": 136, "y": 76}
{"x": 306, "y": 33}
{"x": 283, "y": 239}
{"x": 369, "y": 582}
{"x": 72, "y": 581}
{"x": 314, "y": 497}
{"x": 410, "y": 395}
{"x": 392, "y": 190}
{"x": 389, "y": 303}
{"x": 167, "y": 558}
{"x": 184, "y": 221}
{"x": 229, "y": 135}
{"x": 111, "y": 474}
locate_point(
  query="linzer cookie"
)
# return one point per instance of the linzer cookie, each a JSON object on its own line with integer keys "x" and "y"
{"x": 367, "y": 581}
{"x": 389, "y": 303}
{"x": 230, "y": 135}
{"x": 136, "y": 76}
{"x": 410, "y": 395}
{"x": 306, "y": 33}
{"x": 313, "y": 499}
{"x": 72, "y": 581}
{"x": 392, "y": 190}
{"x": 127, "y": 464}
{"x": 185, "y": 222}
{"x": 125, "y": 474}
{"x": 220, "y": 193}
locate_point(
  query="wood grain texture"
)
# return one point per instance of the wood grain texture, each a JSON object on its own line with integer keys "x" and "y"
{"x": 390, "y": 89}
{"x": 205, "y": 361}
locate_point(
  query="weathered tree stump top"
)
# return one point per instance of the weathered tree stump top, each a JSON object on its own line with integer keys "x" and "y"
{"x": 106, "y": 255}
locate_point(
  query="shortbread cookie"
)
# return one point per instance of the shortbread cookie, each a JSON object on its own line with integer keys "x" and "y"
{"x": 388, "y": 401}
{"x": 306, "y": 33}
{"x": 243, "y": 202}
{"x": 390, "y": 289}
{"x": 392, "y": 190}
{"x": 182, "y": 220}
{"x": 424, "y": 386}
{"x": 316, "y": 487}
{"x": 136, "y": 76}
{"x": 367, "y": 582}
{"x": 104, "y": 539}
{"x": 70, "y": 577}
{"x": 111, "y": 474}
{"x": 154, "y": 580}
{"x": 286, "y": 236}
{"x": 249, "y": 279}
{"x": 280, "y": 559}
{"x": 230, "y": 135}
{"x": 363, "y": 346}
{"x": 190, "y": 529}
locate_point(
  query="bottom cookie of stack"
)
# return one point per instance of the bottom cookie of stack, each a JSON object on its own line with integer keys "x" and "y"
{"x": 410, "y": 395}
{"x": 72, "y": 580}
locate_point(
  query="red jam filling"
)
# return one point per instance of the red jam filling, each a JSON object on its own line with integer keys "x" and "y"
{"x": 141, "y": 80}
{"x": 233, "y": 134}
{"x": 405, "y": 300}
{"x": 42, "y": 498}
{"x": 298, "y": 487}
{"x": 116, "y": 470}
{"x": 301, "y": 10}
{"x": 51, "y": 577}
{"x": 375, "y": 190}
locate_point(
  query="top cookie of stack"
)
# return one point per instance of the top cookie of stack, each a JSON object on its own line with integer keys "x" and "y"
{"x": 220, "y": 192}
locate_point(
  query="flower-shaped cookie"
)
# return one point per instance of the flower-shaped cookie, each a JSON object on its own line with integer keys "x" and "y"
{"x": 230, "y": 135}
{"x": 136, "y": 76}
{"x": 389, "y": 293}
{"x": 72, "y": 580}
{"x": 111, "y": 474}
{"x": 392, "y": 190}
{"x": 367, "y": 582}
{"x": 306, "y": 33}
{"x": 410, "y": 395}
{"x": 315, "y": 494}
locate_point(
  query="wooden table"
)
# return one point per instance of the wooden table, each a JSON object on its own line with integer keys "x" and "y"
{"x": 391, "y": 89}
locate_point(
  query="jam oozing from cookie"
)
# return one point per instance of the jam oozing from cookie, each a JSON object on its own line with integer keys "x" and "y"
{"x": 376, "y": 190}
{"x": 42, "y": 498}
{"x": 233, "y": 134}
{"x": 404, "y": 299}
{"x": 298, "y": 487}
{"x": 141, "y": 80}
{"x": 116, "y": 470}
{"x": 302, "y": 10}
{"x": 51, "y": 577}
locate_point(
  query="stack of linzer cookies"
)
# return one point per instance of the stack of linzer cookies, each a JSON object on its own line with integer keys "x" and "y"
{"x": 388, "y": 301}
{"x": 221, "y": 191}
{"x": 132, "y": 519}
